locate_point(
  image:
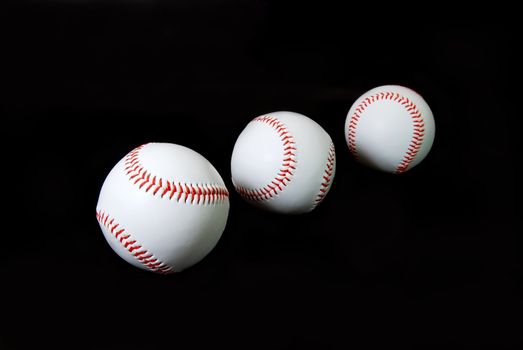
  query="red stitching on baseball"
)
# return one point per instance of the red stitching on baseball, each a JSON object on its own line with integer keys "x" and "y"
{"x": 288, "y": 166}
{"x": 328, "y": 175}
{"x": 143, "y": 256}
{"x": 191, "y": 193}
{"x": 417, "y": 123}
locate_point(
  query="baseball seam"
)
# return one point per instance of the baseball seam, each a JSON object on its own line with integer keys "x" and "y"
{"x": 327, "y": 176}
{"x": 187, "y": 192}
{"x": 417, "y": 123}
{"x": 136, "y": 249}
{"x": 285, "y": 173}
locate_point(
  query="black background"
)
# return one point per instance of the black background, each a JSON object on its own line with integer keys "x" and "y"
{"x": 429, "y": 259}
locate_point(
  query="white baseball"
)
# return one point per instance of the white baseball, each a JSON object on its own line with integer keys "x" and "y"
{"x": 390, "y": 128}
{"x": 284, "y": 162}
{"x": 163, "y": 207}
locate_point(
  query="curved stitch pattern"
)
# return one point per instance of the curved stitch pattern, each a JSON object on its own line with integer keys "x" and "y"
{"x": 327, "y": 176}
{"x": 133, "y": 247}
{"x": 287, "y": 169}
{"x": 417, "y": 123}
{"x": 189, "y": 193}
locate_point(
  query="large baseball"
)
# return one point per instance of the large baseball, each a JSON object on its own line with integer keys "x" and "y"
{"x": 390, "y": 128}
{"x": 163, "y": 207}
{"x": 284, "y": 162}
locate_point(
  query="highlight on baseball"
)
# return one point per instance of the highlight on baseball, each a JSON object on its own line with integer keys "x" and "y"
{"x": 283, "y": 162}
{"x": 390, "y": 128}
{"x": 163, "y": 207}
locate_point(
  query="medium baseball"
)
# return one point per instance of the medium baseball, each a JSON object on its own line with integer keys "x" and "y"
{"x": 163, "y": 207}
{"x": 390, "y": 128}
{"x": 284, "y": 162}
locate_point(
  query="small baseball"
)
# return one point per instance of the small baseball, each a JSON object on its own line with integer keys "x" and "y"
{"x": 390, "y": 128}
{"x": 283, "y": 162}
{"x": 163, "y": 207}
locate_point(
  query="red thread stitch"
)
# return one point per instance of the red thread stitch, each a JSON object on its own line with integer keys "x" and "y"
{"x": 327, "y": 176}
{"x": 187, "y": 192}
{"x": 287, "y": 169}
{"x": 417, "y": 122}
{"x": 135, "y": 249}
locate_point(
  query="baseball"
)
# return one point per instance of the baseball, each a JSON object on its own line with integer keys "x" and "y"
{"x": 390, "y": 128}
{"x": 284, "y": 162}
{"x": 163, "y": 207}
